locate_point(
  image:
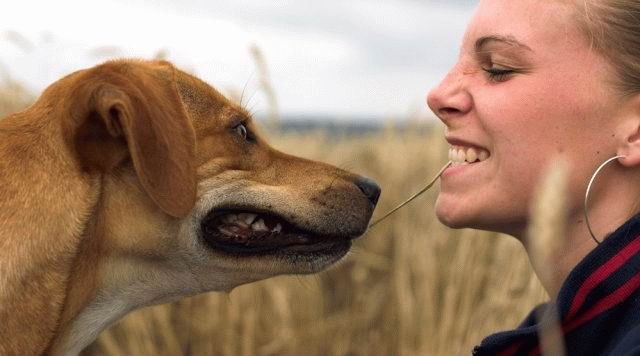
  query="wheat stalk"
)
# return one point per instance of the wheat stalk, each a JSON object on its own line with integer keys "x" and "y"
{"x": 545, "y": 238}
{"x": 265, "y": 84}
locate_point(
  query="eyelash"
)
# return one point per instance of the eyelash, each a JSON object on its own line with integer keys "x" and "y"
{"x": 498, "y": 75}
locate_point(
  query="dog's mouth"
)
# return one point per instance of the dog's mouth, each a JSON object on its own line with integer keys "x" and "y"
{"x": 244, "y": 232}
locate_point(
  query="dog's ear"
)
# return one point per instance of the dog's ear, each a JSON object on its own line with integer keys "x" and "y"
{"x": 135, "y": 111}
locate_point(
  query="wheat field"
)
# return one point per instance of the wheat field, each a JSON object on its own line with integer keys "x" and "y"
{"x": 410, "y": 286}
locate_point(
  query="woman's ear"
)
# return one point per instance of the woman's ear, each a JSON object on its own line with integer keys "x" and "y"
{"x": 628, "y": 132}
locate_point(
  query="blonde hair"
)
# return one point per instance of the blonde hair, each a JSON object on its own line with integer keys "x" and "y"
{"x": 613, "y": 27}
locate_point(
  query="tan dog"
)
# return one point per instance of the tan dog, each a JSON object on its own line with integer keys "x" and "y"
{"x": 133, "y": 183}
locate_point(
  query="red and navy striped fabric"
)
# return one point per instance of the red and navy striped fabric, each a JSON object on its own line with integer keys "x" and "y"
{"x": 598, "y": 305}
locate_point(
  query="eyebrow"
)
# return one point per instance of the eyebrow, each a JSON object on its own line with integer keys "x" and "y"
{"x": 509, "y": 40}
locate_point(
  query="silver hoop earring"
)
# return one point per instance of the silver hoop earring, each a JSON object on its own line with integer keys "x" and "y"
{"x": 586, "y": 195}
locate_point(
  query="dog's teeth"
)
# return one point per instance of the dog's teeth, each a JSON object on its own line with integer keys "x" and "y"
{"x": 259, "y": 226}
{"x": 247, "y": 218}
{"x": 241, "y": 223}
{"x": 278, "y": 228}
{"x": 227, "y": 232}
{"x": 230, "y": 218}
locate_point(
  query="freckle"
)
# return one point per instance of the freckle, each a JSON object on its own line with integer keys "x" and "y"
{"x": 597, "y": 152}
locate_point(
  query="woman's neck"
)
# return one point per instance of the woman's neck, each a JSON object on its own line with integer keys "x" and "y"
{"x": 616, "y": 202}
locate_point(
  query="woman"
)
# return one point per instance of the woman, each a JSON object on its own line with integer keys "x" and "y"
{"x": 538, "y": 80}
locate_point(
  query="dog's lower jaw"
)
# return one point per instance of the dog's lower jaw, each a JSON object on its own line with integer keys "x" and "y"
{"x": 309, "y": 264}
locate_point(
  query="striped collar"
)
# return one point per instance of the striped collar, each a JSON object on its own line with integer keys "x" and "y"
{"x": 598, "y": 301}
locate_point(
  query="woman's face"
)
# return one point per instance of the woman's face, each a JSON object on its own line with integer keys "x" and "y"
{"x": 526, "y": 89}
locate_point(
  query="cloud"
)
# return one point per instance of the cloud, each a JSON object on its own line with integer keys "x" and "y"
{"x": 357, "y": 57}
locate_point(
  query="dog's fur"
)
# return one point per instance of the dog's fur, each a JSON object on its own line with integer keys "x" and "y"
{"x": 104, "y": 182}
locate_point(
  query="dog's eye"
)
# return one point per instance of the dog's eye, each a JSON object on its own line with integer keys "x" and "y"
{"x": 242, "y": 131}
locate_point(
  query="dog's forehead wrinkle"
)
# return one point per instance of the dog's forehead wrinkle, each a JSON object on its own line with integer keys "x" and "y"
{"x": 211, "y": 166}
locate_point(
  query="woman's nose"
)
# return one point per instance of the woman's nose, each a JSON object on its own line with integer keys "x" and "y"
{"x": 450, "y": 99}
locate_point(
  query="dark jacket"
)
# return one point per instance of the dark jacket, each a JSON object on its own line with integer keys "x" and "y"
{"x": 598, "y": 304}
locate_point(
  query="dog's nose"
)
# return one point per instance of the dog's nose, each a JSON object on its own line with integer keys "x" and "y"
{"x": 370, "y": 189}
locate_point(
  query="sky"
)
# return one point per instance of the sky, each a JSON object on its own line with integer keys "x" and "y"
{"x": 350, "y": 59}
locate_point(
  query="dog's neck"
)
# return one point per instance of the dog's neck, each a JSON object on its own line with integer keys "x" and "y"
{"x": 44, "y": 204}
{"x": 52, "y": 275}
{"x": 110, "y": 276}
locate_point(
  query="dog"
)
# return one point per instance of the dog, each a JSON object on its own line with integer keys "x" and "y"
{"x": 133, "y": 183}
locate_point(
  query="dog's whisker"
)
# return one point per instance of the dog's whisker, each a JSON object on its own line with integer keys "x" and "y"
{"x": 250, "y": 107}
{"x": 251, "y": 98}
{"x": 245, "y": 86}
{"x": 347, "y": 166}
{"x": 332, "y": 181}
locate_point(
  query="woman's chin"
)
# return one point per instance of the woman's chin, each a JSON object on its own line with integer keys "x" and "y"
{"x": 459, "y": 216}
{"x": 456, "y": 215}
{"x": 451, "y": 216}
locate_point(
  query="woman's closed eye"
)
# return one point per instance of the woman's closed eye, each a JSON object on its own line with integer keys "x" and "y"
{"x": 498, "y": 74}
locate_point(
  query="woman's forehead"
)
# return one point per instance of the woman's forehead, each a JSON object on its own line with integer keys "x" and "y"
{"x": 533, "y": 24}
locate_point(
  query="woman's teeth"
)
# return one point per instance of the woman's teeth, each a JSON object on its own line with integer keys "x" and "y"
{"x": 463, "y": 155}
